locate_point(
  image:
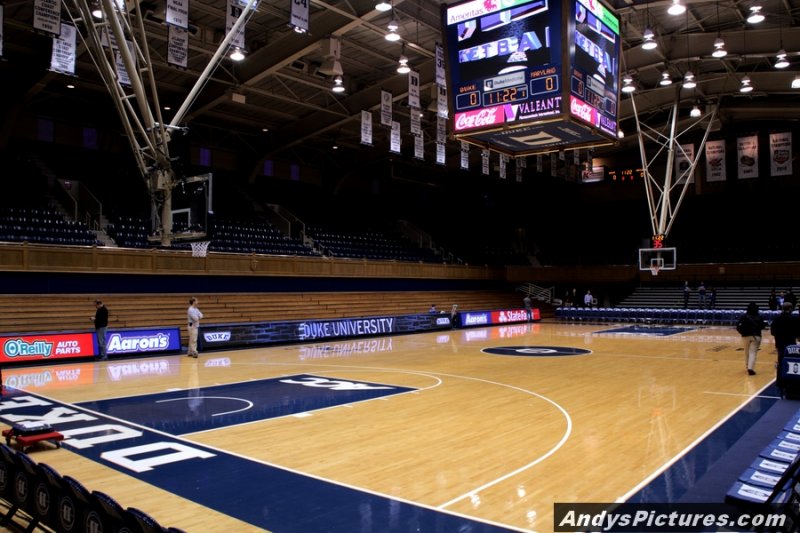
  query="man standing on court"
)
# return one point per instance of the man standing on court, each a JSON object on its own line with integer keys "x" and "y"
{"x": 528, "y": 307}
{"x": 194, "y": 316}
{"x": 100, "y": 320}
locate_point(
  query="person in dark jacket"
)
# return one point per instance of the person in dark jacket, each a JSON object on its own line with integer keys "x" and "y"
{"x": 100, "y": 320}
{"x": 786, "y": 329}
{"x": 749, "y": 327}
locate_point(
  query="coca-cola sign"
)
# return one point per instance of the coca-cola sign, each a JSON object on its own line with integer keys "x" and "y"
{"x": 582, "y": 110}
{"x": 478, "y": 119}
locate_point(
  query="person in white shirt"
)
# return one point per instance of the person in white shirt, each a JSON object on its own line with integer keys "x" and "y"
{"x": 587, "y": 299}
{"x": 194, "y": 315}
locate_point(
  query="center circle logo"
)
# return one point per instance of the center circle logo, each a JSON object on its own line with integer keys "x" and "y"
{"x": 536, "y": 351}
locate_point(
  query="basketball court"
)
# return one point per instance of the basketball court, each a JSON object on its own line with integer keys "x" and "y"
{"x": 477, "y": 430}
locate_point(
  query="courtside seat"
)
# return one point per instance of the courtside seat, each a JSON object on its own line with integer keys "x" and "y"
{"x": 147, "y": 523}
{"x": 114, "y": 516}
{"x": 78, "y": 510}
{"x": 8, "y": 470}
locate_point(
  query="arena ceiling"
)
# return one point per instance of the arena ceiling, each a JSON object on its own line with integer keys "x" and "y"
{"x": 278, "y": 101}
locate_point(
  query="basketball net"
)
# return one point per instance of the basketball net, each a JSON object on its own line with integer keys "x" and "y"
{"x": 200, "y": 248}
{"x": 654, "y": 270}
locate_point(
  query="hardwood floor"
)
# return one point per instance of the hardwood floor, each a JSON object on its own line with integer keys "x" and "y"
{"x": 495, "y": 438}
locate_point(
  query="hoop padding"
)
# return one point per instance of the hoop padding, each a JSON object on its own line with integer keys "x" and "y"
{"x": 200, "y": 248}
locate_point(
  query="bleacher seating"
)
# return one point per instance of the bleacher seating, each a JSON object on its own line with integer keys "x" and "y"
{"x": 369, "y": 244}
{"x": 257, "y": 237}
{"x": 43, "y": 226}
{"x": 129, "y": 232}
{"x": 34, "y": 495}
{"x": 647, "y": 315}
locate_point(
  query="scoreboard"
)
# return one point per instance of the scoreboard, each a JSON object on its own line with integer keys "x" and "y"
{"x": 516, "y": 64}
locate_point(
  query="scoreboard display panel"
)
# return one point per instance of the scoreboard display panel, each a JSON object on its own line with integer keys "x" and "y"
{"x": 528, "y": 76}
{"x": 504, "y": 59}
{"x": 594, "y": 57}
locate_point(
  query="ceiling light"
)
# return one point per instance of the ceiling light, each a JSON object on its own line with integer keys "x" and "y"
{"x": 796, "y": 82}
{"x": 338, "y": 84}
{"x": 719, "y": 48}
{"x": 383, "y": 5}
{"x": 781, "y": 61}
{"x": 755, "y": 15}
{"x": 402, "y": 65}
{"x": 627, "y": 84}
{"x": 392, "y": 36}
{"x": 649, "y": 39}
{"x": 298, "y": 29}
{"x": 688, "y": 80}
{"x": 676, "y": 8}
{"x": 620, "y": 134}
{"x": 665, "y": 79}
{"x": 695, "y": 112}
{"x": 70, "y": 86}
{"x": 97, "y": 13}
{"x": 746, "y": 87}
{"x": 237, "y": 54}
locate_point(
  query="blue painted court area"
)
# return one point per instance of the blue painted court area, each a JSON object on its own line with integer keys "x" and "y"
{"x": 647, "y": 331}
{"x": 188, "y": 411}
{"x": 264, "y": 495}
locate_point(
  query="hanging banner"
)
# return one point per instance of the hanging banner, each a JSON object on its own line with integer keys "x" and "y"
{"x": 386, "y": 108}
{"x": 441, "y": 79}
{"x": 62, "y": 59}
{"x": 366, "y": 127}
{"x": 178, "y": 47}
{"x": 299, "y": 15}
{"x": 747, "y": 156}
{"x": 522, "y": 162}
{"x": 485, "y": 162}
{"x": 518, "y": 170}
{"x": 576, "y": 157}
{"x": 108, "y": 39}
{"x": 780, "y": 154}
{"x": 441, "y": 101}
{"x": 234, "y": 10}
{"x": 683, "y": 162}
{"x": 416, "y": 126}
{"x": 413, "y": 89}
{"x": 178, "y": 14}
{"x": 441, "y": 130}
{"x": 553, "y": 164}
{"x": 394, "y": 143}
{"x": 464, "y": 160}
{"x": 47, "y": 16}
{"x": 440, "y": 154}
{"x": 503, "y": 162}
{"x": 539, "y": 163}
{"x": 419, "y": 147}
{"x": 122, "y": 72}
{"x": 715, "y": 160}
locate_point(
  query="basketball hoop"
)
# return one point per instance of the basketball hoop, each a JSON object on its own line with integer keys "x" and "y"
{"x": 654, "y": 270}
{"x": 200, "y": 248}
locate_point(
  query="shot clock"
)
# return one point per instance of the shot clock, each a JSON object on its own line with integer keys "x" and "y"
{"x": 526, "y": 76}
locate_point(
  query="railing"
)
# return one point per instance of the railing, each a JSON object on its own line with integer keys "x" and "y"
{"x": 83, "y": 206}
{"x": 539, "y": 293}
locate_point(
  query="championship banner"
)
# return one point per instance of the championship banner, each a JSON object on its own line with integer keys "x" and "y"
{"x": 518, "y": 170}
{"x": 413, "y": 90}
{"x": 522, "y": 162}
{"x": 299, "y": 15}
{"x": 178, "y": 14}
{"x": 780, "y": 154}
{"x": 715, "y": 161}
{"x": 440, "y": 154}
{"x": 684, "y": 157}
{"x": 419, "y": 147}
{"x": 464, "y": 155}
{"x": 576, "y": 157}
{"x": 416, "y": 127}
{"x": 178, "y": 47}
{"x": 441, "y": 80}
{"x": 63, "y": 57}
{"x": 441, "y": 101}
{"x": 485, "y": 162}
{"x": 122, "y": 72}
{"x": 747, "y": 156}
{"x": 47, "y": 16}
{"x": 394, "y": 143}
{"x": 366, "y": 127}
{"x": 441, "y": 130}
{"x": 539, "y": 164}
{"x": 234, "y": 10}
{"x": 503, "y": 161}
{"x": 386, "y": 108}
{"x": 107, "y": 39}
{"x": 553, "y": 164}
